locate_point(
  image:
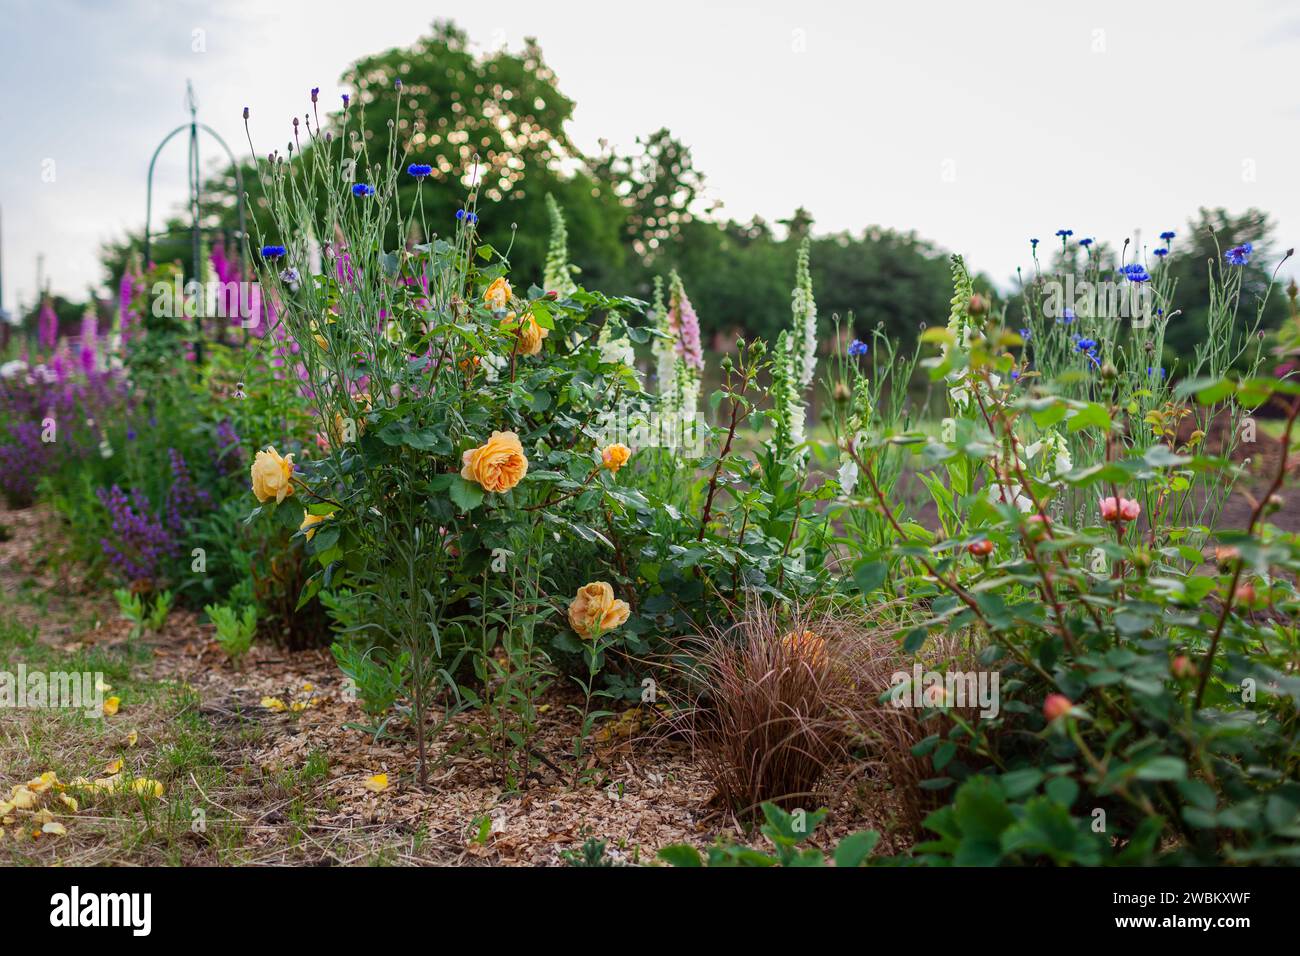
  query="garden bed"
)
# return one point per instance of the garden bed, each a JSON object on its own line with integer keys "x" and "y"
{"x": 286, "y": 787}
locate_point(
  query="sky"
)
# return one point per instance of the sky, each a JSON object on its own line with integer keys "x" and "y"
{"x": 977, "y": 126}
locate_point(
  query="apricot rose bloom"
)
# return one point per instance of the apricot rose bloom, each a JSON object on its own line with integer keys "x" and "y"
{"x": 615, "y": 456}
{"x": 595, "y": 610}
{"x": 498, "y": 465}
{"x": 498, "y": 295}
{"x": 805, "y": 644}
{"x": 271, "y": 475}
{"x": 528, "y": 333}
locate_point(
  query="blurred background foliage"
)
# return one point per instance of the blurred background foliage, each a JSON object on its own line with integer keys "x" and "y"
{"x": 632, "y": 216}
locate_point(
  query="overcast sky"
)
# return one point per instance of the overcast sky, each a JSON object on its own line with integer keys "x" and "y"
{"x": 976, "y": 125}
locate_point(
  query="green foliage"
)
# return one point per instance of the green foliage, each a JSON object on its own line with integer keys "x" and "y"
{"x": 235, "y": 631}
{"x": 785, "y": 830}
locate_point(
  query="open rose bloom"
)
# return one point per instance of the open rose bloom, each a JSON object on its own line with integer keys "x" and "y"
{"x": 596, "y": 610}
{"x": 498, "y": 465}
{"x": 272, "y": 476}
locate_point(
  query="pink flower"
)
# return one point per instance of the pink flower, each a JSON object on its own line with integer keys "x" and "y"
{"x": 1119, "y": 509}
{"x": 683, "y": 322}
{"x": 1056, "y": 705}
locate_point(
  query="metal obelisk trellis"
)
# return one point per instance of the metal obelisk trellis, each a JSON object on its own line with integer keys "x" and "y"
{"x": 196, "y": 245}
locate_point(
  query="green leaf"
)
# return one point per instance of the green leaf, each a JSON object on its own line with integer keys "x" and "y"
{"x": 466, "y": 495}
{"x": 855, "y": 848}
{"x": 681, "y": 855}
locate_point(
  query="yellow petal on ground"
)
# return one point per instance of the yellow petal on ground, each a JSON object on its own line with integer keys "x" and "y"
{"x": 378, "y": 783}
{"x": 111, "y": 705}
{"x": 147, "y": 788}
{"x": 42, "y": 816}
{"x": 69, "y": 802}
{"x": 132, "y": 739}
{"x": 43, "y": 782}
{"x": 107, "y": 783}
{"x": 114, "y": 766}
{"x": 298, "y": 706}
{"x": 273, "y": 703}
{"x": 23, "y": 799}
{"x": 58, "y": 829}
{"x": 308, "y": 688}
{"x": 101, "y": 685}
{"x": 5, "y": 808}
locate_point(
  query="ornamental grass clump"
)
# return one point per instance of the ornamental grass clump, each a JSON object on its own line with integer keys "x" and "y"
{"x": 779, "y": 705}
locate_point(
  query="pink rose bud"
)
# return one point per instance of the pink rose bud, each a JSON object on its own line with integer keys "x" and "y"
{"x": 1119, "y": 509}
{"x": 1056, "y": 705}
{"x": 981, "y": 549}
{"x": 1183, "y": 667}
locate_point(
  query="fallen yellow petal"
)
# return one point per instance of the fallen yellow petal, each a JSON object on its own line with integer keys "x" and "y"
{"x": 101, "y": 685}
{"x": 107, "y": 783}
{"x": 111, "y": 705}
{"x": 58, "y": 829}
{"x": 378, "y": 783}
{"x": 42, "y": 816}
{"x": 308, "y": 688}
{"x": 147, "y": 788}
{"x": 69, "y": 802}
{"x": 273, "y": 703}
{"x": 114, "y": 766}
{"x": 132, "y": 739}
{"x": 297, "y": 707}
{"x": 43, "y": 782}
{"x": 23, "y": 799}
{"x": 6, "y": 807}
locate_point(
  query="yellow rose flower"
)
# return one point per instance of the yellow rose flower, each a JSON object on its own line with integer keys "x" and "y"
{"x": 271, "y": 476}
{"x": 309, "y": 522}
{"x": 498, "y": 295}
{"x": 615, "y": 456}
{"x": 498, "y": 465}
{"x": 529, "y": 333}
{"x": 595, "y": 610}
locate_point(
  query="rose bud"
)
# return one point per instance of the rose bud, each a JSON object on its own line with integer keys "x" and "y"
{"x": 981, "y": 549}
{"x": 1056, "y": 705}
{"x": 1225, "y": 555}
{"x": 1245, "y": 593}
{"x": 1182, "y": 667}
{"x": 552, "y": 295}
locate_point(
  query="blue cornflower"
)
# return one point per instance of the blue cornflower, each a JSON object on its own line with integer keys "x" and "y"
{"x": 1152, "y": 371}
{"x": 1135, "y": 272}
{"x": 1015, "y": 374}
{"x": 1166, "y": 236}
{"x": 858, "y": 347}
{"x": 419, "y": 170}
{"x": 1239, "y": 255}
{"x": 1086, "y": 242}
{"x": 1067, "y": 316}
{"x": 1065, "y": 233}
{"x": 1025, "y": 334}
{"x": 346, "y": 100}
{"x": 289, "y": 276}
{"x": 1085, "y": 345}
{"x": 469, "y": 217}
{"x": 1033, "y": 243}
{"x": 315, "y": 92}
{"x": 273, "y": 252}
{"x": 1161, "y": 252}
{"x": 363, "y": 189}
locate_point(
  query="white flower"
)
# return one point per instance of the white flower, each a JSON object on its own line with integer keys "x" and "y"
{"x": 13, "y": 369}
{"x": 1001, "y": 493}
{"x": 848, "y": 475}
